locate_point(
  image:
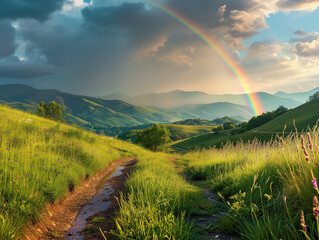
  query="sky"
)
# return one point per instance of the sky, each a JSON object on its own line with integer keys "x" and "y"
{"x": 98, "y": 47}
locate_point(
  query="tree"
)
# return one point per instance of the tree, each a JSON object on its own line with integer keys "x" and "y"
{"x": 218, "y": 129}
{"x": 155, "y": 138}
{"x": 53, "y": 111}
{"x": 229, "y": 125}
{"x": 314, "y": 96}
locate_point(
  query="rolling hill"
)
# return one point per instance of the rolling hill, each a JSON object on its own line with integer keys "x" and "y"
{"x": 305, "y": 116}
{"x": 178, "y": 132}
{"x": 299, "y": 96}
{"x": 205, "y": 122}
{"x": 216, "y": 110}
{"x": 178, "y": 98}
{"x": 82, "y": 110}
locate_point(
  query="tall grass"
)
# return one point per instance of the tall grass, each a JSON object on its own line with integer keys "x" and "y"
{"x": 157, "y": 202}
{"x": 265, "y": 185}
{"x": 40, "y": 160}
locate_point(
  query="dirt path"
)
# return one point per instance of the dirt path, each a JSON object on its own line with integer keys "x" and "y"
{"x": 206, "y": 224}
{"x": 59, "y": 217}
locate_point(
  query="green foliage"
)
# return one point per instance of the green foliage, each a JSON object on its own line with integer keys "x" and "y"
{"x": 53, "y": 111}
{"x": 229, "y": 125}
{"x": 218, "y": 129}
{"x": 204, "y": 122}
{"x": 39, "y": 159}
{"x": 263, "y": 118}
{"x": 264, "y": 185}
{"x": 157, "y": 201}
{"x": 315, "y": 96}
{"x": 155, "y": 138}
{"x": 177, "y": 132}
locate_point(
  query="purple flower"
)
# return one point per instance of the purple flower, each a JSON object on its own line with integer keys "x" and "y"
{"x": 315, "y": 184}
{"x": 284, "y": 197}
{"x": 8, "y": 148}
{"x": 27, "y": 174}
{"x": 45, "y": 169}
{"x": 36, "y": 155}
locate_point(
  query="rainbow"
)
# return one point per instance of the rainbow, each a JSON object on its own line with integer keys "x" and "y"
{"x": 251, "y": 97}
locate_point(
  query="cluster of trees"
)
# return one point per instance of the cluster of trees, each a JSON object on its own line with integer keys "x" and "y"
{"x": 53, "y": 111}
{"x": 314, "y": 96}
{"x": 225, "y": 126}
{"x": 196, "y": 122}
{"x": 260, "y": 120}
{"x": 155, "y": 138}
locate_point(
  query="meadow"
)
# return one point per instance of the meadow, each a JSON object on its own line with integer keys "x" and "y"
{"x": 269, "y": 189}
{"x": 41, "y": 160}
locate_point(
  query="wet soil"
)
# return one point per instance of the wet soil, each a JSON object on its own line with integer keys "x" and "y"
{"x": 59, "y": 217}
{"x": 205, "y": 225}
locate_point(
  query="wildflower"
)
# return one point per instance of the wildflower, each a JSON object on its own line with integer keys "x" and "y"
{"x": 310, "y": 144}
{"x": 45, "y": 169}
{"x": 315, "y": 207}
{"x": 27, "y": 174}
{"x": 284, "y": 197}
{"x": 315, "y": 184}
{"x": 8, "y": 148}
{"x": 302, "y": 221}
{"x": 36, "y": 155}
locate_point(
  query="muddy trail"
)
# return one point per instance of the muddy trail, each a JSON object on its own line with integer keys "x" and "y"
{"x": 86, "y": 209}
{"x": 206, "y": 225}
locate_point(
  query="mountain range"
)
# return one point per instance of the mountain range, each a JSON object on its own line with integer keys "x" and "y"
{"x": 97, "y": 113}
{"x": 83, "y": 110}
{"x": 177, "y": 98}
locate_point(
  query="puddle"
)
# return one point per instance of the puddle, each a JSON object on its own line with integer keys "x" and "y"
{"x": 99, "y": 202}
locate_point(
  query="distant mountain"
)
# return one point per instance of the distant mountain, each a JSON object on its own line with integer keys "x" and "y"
{"x": 298, "y": 96}
{"x": 82, "y": 110}
{"x": 179, "y": 98}
{"x": 216, "y": 110}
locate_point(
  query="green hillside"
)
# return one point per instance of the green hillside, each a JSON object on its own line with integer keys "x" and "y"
{"x": 39, "y": 159}
{"x": 205, "y": 122}
{"x": 178, "y": 132}
{"x": 85, "y": 111}
{"x": 305, "y": 116}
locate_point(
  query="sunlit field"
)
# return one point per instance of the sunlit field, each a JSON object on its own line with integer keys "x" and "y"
{"x": 267, "y": 188}
{"x": 40, "y": 160}
{"x": 158, "y": 201}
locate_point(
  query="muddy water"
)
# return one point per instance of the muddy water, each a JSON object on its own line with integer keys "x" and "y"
{"x": 100, "y": 202}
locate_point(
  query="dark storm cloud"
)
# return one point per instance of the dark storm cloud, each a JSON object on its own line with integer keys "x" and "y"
{"x": 139, "y": 25}
{"x": 7, "y": 39}
{"x": 13, "y": 68}
{"x": 36, "y": 9}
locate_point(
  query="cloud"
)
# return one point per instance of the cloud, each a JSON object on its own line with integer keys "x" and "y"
{"x": 7, "y": 39}
{"x": 298, "y": 5}
{"x": 35, "y": 9}
{"x": 307, "y": 49}
{"x": 13, "y": 68}
{"x": 300, "y": 32}
{"x": 304, "y": 37}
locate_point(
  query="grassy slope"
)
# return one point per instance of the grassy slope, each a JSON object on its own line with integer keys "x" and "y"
{"x": 158, "y": 201}
{"x": 188, "y": 130}
{"x": 39, "y": 159}
{"x": 83, "y": 110}
{"x": 255, "y": 180}
{"x": 305, "y": 116}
